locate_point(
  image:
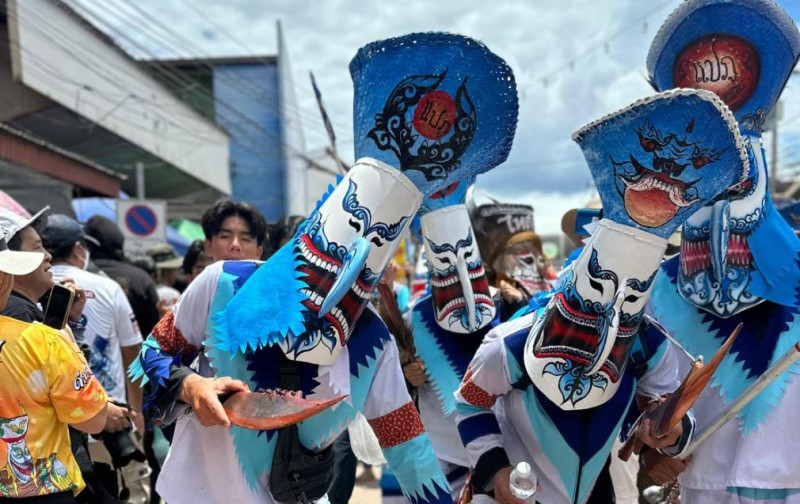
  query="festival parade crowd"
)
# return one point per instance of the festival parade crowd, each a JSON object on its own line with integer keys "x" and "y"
{"x": 292, "y": 352}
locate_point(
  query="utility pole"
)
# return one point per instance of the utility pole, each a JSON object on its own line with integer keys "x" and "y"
{"x": 139, "y": 180}
{"x": 772, "y": 124}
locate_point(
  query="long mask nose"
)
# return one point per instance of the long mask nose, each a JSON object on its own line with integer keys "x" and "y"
{"x": 720, "y": 237}
{"x": 608, "y": 330}
{"x": 466, "y": 288}
{"x": 352, "y": 265}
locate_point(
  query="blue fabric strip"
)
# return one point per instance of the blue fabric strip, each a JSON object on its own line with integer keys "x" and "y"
{"x": 474, "y": 427}
{"x": 763, "y": 494}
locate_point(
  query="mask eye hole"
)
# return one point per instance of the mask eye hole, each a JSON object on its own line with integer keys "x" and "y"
{"x": 596, "y": 286}
{"x": 468, "y": 254}
{"x": 377, "y": 241}
{"x": 355, "y": 225}
{"x": 631, "y": 298}
{"x": 445, "y": 260}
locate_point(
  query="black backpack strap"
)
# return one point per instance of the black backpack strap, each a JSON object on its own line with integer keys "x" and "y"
{"x": 640, "y": 353}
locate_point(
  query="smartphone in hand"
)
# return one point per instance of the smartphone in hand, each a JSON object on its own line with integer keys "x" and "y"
{"x": 57, "y": 304}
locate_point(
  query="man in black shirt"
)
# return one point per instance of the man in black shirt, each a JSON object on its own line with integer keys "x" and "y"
{"x": 107, "y": 254}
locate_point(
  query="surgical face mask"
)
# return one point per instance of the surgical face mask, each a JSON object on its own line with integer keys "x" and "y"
{"x": 86, "y": 256}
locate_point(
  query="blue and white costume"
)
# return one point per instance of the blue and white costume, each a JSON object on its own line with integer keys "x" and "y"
{"x": 738, "y": 260}
{"x": 449, "y": 324}
{"x": 552, "y": 387}
{"x": 216, "y": 465}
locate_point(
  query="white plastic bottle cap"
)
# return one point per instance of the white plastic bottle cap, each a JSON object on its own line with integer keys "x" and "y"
{"x": 523, "y": 468}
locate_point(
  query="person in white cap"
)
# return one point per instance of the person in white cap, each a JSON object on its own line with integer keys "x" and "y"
{"x": 45, "y": 385}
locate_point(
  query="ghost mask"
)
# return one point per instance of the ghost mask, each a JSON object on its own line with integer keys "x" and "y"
{"x": 459, "y": 287}
{"x": 735, "y": 252}
{"x": 344, "y": 247}
{"x": 578, "y": 348}
{"x": 439, "y": 106}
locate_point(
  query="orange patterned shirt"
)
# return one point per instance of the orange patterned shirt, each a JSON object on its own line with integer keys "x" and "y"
{"x": 45, "y": 384}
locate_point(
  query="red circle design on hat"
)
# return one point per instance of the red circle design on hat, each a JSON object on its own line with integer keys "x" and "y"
{"x": 724, "y": 64}
{"x": 435, "y": 115}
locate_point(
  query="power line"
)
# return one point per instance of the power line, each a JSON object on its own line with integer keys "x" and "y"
{"x": 247, "y": 87}
{"x": 545, "y": 78}
{"x": 181, "y": 78}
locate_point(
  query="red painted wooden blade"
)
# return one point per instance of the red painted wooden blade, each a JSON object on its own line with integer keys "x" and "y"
{"x": 273, "y": 409}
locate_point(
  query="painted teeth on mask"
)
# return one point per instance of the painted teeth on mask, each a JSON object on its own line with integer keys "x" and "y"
{"x": 478, "y": 273}
{"x": 444, "y": 283}
{"x": 339, "y": 316}
{"x": 316, "y": 260}
{"x": 361, "y": 292}
{"x": 647, "y": 181}
{"x": 313, "y": 296}
{"x": 456, "y": 301}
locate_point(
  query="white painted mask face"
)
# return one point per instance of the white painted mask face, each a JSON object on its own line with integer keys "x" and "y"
{"x": 459, "y": 287}
{"x": 577, "y": 351}
{"x": 716, "y": 262}
{"x": 345, "y": 246}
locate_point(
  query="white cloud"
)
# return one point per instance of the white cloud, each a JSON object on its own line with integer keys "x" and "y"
{"x": 536, "y": 37}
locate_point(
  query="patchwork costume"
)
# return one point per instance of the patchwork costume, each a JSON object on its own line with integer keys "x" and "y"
{"x": 448, "y": 326}
{"x": 440, "y": 109}
{"x": 305, "y": 309}
{"x": 738, "y": 259}
{"x": 552, "y": 387}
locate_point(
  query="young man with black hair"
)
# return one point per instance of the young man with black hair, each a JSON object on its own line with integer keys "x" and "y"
{"x": 234, "y": 231}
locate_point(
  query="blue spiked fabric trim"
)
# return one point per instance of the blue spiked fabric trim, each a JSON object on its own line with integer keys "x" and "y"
{"x": 446, "y": 354}
{"x": 139, "y": 370}
{"x": 416, "y": 468}
{"x": 266, "y": 308}
{"x": 254, "y": 449}
{"x": 775, "y": 250}
{"x": 769, "y": 331}
{"x": 152, "y": 367}
{"x": 364, "y": 347}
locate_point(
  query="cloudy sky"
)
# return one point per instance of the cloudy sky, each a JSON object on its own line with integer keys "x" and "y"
{"x": 574, "y": 60}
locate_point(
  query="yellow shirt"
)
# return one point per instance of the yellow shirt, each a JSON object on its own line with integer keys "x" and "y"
{"x": 45, "y": 384}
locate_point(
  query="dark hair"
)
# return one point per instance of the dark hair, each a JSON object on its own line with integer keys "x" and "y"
{"x": 63, "y": 250}
{"x": 195, "y": 252}
{"x": 224, "y": 208}
{"x": 285, "y": 227}
{"x": 144, "y": 262}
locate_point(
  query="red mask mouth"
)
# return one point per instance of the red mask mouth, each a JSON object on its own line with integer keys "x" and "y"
{"x": 696, "y": 255}
{"x": 448, "y": 295}
{"x": 319, "y": 272}
{"x": 652, "y": 198}
{"x": 572, "y": 335}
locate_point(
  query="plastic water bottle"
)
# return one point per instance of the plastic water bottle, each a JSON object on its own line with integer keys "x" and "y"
{"x": 523, "y": 482}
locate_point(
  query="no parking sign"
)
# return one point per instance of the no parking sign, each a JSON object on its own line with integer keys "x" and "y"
{"x": 143, "y": 222}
